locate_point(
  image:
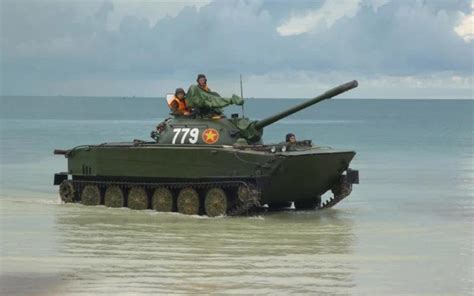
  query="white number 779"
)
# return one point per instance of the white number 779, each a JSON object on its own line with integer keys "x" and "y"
{"x": 185, "y": 132}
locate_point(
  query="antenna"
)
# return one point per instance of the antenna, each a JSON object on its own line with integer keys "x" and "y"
{"x": 242, "y": 94}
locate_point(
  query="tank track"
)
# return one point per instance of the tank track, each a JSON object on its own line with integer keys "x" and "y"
{"x": 244, "y": 206}
{"x": 239, "y": 207}
{"x": 341, "y": 190}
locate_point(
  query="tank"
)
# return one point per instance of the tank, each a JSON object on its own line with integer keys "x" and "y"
{"x": 209, "y": 165}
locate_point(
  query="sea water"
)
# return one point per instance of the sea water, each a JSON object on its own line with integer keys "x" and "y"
{"x": 407, "y": 228}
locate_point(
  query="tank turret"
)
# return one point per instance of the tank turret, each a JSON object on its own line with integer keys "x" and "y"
{"x": 220, "y": 130}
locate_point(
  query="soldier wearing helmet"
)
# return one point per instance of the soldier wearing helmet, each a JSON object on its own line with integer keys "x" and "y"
{"x": 207, "y": 102}
{"x": 202, "y": 82}
{"x": 290, "y": 138}
{"x": 178, "y": 103}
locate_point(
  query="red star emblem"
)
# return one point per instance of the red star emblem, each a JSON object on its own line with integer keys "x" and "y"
{"x": 210, "y": 136}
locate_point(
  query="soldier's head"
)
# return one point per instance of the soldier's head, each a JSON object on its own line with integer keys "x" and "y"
{"x": 201, "y": 80}
{"x": 290, "y": 138}
{"x": 179, "y": 93}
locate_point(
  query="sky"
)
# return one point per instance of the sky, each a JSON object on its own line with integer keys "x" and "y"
{"x": 284, "y": 49}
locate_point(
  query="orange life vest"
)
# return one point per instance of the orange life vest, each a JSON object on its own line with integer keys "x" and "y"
{"x": 181, "y": 104}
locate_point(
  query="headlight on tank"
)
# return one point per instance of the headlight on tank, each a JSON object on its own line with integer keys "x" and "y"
{"x": 283, "y": 149}
{"x": 273, "y": 150}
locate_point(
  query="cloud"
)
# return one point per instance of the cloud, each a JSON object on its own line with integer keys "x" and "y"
{"x": 466, "y": 27}
{"x": 117, "y": 47}
{"x": 150, "y": 10}
{"x": 325, "y": 16}
{"x": 309, "y": 84}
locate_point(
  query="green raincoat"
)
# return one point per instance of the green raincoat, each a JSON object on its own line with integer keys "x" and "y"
{"x": 209, "y": 102}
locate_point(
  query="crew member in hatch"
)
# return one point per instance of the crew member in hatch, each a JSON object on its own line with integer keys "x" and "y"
{"x": 290, "y": 138}
{"x": 178, "y": 103}
{"x": 207, "y": 102}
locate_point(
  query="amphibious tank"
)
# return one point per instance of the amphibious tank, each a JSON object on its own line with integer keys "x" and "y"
{"x": 208, "y": 164}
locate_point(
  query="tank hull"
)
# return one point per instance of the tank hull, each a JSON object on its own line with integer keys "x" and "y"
{"x": 164, "y": 161}
{"x": 303, "y": 175}
{"x": 279, "y": 177}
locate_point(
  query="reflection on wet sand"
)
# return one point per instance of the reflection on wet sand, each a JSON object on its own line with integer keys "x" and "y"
{"x": 118, "y": 251}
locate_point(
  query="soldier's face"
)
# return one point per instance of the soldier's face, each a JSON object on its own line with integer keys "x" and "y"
{"x": 292, "y": 139}
{"x": 202, "y": 81}
{"x": 180, "y": 96}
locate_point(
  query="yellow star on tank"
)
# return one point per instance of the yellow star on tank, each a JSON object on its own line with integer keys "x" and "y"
{"x": 210, "y": 136}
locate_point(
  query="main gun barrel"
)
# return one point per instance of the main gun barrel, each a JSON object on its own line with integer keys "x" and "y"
{"x": 327, "y": 95}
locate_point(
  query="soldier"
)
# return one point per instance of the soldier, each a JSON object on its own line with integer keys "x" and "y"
{"x": 208, "y": 102}
{"x": 290, "y": 138}
{"x": 290, "y": 142}
{"x": 202, "y": 82}
{"x": 178, "y": 103}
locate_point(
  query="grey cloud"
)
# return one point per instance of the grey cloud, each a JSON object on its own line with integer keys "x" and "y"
{"x": 55, "y": 41}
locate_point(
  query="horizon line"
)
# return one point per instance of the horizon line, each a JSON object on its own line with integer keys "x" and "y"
{"x": 248, "y": 98}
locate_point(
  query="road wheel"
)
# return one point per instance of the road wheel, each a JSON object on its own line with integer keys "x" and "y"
{"x": 243, "y": 193}
{"x": 137, "y": 198}
{"x": 188, "y": 201}
{"x": 67, "y": 191}
{"x": 215, "y": 202}
{"x": 114, "y": 197}
{"x": 162, "y": 200}
{"x": 90, "y": 195}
